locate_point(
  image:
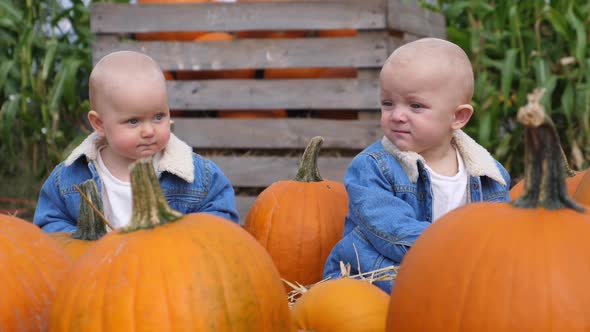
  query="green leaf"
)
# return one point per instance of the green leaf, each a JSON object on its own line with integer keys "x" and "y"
{"x": 558, "y": 22}
{"x": 49, "y": 58}
{"x": 455, "y": 9}
{"x": 70, "y": 69}
{"x": 581, "y": 37}
{"x": 484, "y": 128}
{"x": 5, "y": 68}
{"x": 8, "y": 10}
{"x": 508, "y": 69}
{"x": 541, "y": 70}
{"x": 567, "y": 101}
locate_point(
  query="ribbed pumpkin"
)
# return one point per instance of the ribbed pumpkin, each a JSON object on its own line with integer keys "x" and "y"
{"x": 299, "y": 221}
{"x": 519, "y": 266}
{"x": 90, "y": 226}
{"x": 169, "y": 272}
{"x": 341, "y": 305}
{"x": 582, "y": 194}
{"x": 32, "y": 265}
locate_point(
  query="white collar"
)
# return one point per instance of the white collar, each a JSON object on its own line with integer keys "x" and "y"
{"x": 478, "y": 161}
{"x": 176, "y": 157}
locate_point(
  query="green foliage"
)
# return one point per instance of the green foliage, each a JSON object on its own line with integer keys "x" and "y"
{"x": 45, "y": 61}
{"x": 516, "y": 46}
{"x": 43, "y": 82}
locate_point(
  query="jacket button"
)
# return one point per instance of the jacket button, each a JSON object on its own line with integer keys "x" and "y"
{"x": 427, "y": 218}
{"x": 475, "y": 185}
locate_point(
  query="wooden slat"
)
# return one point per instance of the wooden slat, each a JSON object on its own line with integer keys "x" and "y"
{"x": 366, "y": 51}
{"x": 408, "y": 16}
{"x": 243, "y": 204}
{"x": 263, "y": 171}
{"x": 352, "y": 94}
{"x": 211, "y": 133}
{"x": 304, "y": 15}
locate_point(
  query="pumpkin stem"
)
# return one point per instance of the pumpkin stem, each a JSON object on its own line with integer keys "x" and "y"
{"x": 90, "y": 226}
{"x": 308, "y": 167}
{"x": 544, "y": 167}
{"x": 149, "y": 204}
{"x": 569, "y": 172}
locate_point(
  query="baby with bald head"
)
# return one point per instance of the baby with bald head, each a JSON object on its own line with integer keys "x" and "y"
{"x": 423, "y": 167}
{"x": 131, "y": 120}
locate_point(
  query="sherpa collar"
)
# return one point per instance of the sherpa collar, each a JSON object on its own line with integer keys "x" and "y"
{"x": 478, "y": 161}
{"x": 176, "y": 157}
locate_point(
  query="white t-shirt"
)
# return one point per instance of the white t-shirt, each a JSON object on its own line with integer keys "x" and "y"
{"x": 448, "y": 192}
{"x": 116, "y": 194}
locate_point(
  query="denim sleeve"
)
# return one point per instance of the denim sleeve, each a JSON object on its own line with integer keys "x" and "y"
{"x": 386, "y": 221}
{"x": 51, "y": 213}
{"x": 506, "y": 177}
{"x": 220, "y": 199}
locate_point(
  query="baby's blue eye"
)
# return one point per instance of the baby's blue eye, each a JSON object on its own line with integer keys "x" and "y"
{"x": 386, "y": 103}
{"x": 159, "y": 116}
{"x": 132, "y": 121}
{"x": 415, "y": 105}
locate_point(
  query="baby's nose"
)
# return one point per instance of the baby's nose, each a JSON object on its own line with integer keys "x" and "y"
{"x": 147, "y": 129}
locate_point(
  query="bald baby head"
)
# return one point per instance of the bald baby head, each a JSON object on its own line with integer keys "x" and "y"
{"x": 123, "y": 74}
{"x": 438, "y": 60}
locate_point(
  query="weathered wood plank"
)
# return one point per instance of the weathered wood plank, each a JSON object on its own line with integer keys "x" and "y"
{"x": 263, "y": 171}
{"x": 408, "y": 16}
{"x": 351, "y": 94}
{"x": 304, "y": 15}
{"x": 211, "y": 133}
{"x": 369, "y": 50}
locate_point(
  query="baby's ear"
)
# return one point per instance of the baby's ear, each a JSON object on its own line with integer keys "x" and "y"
{"x": 96, "y": 122}
{"x": 462, "y": 114}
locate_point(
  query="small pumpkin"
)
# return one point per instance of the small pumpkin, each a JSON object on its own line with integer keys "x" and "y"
{"x": 171, "y": 272}
{"x": 299, "y": 221}
{"x": 517, "y": 266}
{"x": 32, "y": 266}
{"x": 90, "y": 226}
{"x": 341, "y": 305}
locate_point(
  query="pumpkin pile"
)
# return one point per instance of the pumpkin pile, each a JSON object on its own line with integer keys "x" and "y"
{"x": 519, "y": 266}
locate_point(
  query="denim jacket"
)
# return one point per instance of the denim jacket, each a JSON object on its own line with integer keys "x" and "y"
{"x": 390, "y": 202}
{"x": 190, "y": 183}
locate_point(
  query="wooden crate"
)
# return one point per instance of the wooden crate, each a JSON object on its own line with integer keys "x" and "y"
{"x": 254, "y": 153}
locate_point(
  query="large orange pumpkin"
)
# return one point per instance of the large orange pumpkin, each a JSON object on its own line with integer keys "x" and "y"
{"x": 582, "y": 194}
{"x": 519, "y": 266}
{"x": 90, "y": 226}
{"x": 169, "y": 272}
{"x": 299, "y": 221}
{"x": 32, "y": 266}
{"x": 341, "y": 305}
